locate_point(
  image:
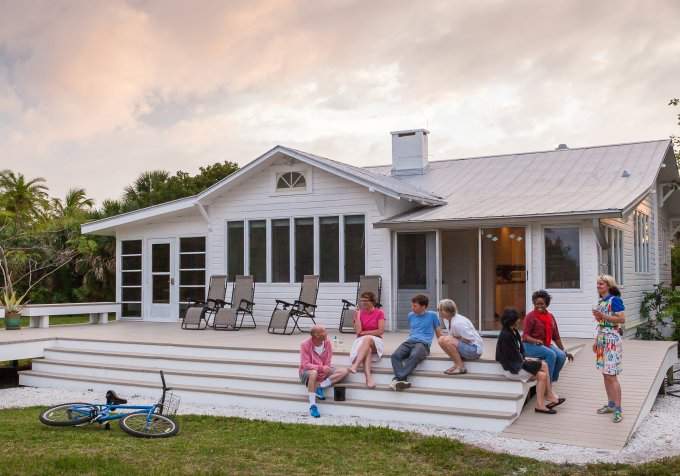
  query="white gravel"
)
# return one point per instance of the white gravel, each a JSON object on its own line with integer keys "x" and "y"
{"x": 658, "y": 436}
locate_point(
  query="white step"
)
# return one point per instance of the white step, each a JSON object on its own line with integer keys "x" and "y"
{"x": 488, "y": 420}
{"x": 445, "y": 398}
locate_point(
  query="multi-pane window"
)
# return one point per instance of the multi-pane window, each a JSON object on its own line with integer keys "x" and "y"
{"x": 412, "y": 260}
{"x": 281, "y": 251}
{"x": 329, "y": 249}
{"x": 562, "y": 258}
{"x": 641, "y": 241}
{"x": 235, "y": 252}
{"x": 304, "y": 247}
{"x": 613, "y": 255}
{"x": 257, "y": 249}
{"x": 191, "y": 271}
{"x": 291, "y": 181}
{"x": 131, "y": 278}
{"x": 355, "y": 246}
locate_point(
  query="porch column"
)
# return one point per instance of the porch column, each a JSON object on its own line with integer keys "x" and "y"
{"x": 438, "y": 265}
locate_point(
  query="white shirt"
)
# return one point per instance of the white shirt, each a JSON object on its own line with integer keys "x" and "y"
{"x": 461, "y": 326}
{"x": 319, "y": 348}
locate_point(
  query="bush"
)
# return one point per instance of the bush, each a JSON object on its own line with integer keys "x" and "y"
{"x": 660, "y": 309}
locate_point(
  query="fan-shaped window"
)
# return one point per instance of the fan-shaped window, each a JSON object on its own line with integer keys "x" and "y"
{"x": 291, "y": 181}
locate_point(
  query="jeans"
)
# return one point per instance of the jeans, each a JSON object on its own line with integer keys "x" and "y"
{"x": 407, "y": 357}
{"x": 554, "y": 357}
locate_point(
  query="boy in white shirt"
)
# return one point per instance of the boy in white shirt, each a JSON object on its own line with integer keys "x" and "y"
{"x": 463, "y": 342}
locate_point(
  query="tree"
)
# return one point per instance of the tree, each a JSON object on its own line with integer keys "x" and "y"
{"x": 23, "y": 201}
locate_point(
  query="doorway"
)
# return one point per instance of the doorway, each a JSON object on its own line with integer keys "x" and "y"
{"x": 416, "y": 272}
{"x": 460, "y": 250}
{"x": 161, "y": 280}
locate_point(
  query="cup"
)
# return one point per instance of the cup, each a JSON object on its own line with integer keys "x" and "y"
{"x": 339, "y": 394}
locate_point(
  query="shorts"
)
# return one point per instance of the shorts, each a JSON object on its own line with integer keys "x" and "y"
{"x": 468, "y": 351}
{"x": 304, "y": 376}
{"x": 379, "y": 348}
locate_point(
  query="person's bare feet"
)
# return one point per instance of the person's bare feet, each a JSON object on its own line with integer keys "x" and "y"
{"x": 370, "y": 383}
{"x": 352, "y": 370}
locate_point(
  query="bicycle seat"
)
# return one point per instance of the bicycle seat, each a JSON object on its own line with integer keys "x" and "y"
{"x": 113, "y": 399}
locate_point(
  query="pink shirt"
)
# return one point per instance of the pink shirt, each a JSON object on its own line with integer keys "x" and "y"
{"x": 370, "y": 320}
{"x": 310, "y": 360}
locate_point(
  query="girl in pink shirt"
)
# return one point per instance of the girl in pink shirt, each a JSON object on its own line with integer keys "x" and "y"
{"x": 369, "y": 324}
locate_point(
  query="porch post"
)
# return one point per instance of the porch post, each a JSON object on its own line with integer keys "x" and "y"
{"x": 438, "y": 264}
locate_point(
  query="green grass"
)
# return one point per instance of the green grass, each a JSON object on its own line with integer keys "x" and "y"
{"x": 212, "y": 445}
{"x": 60, "y": 320}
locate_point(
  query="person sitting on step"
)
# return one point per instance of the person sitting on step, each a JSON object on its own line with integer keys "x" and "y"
{"x": 370, "y": 327}
{"x": 510, "y": 354}
{"x": 424, "y": 325}
{"x": 463, "y": 342}
{"x": 316, "y": 371}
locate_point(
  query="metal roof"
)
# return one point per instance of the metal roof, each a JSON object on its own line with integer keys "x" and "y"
{"x": 581, "y": 181}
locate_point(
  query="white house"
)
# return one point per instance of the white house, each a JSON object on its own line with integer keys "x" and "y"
{"x": 485, "y": 231}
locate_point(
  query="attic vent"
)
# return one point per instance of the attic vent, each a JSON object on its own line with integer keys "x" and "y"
{"x": 406, "y": 134}
{"x": 562, "y": 147}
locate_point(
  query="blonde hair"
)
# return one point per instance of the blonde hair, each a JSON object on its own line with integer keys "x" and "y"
{"x": 448, "y": 306}
{"x": 611, "y": 283}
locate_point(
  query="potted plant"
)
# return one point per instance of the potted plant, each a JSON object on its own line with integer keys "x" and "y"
{"x": 12, "y": 305}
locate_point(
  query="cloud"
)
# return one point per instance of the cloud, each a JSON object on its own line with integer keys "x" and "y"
{"x": 123, "y": 87}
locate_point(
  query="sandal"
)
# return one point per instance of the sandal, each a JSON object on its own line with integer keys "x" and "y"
{"x": 559, "y": 401}
{"x": 549, "y": 411}
{"x": 455, "y": 371}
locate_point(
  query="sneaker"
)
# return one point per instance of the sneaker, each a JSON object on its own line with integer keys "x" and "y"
{"x": 319, "y": 393}
{"x": 393, "y": 384}
{"x": 618, "y": 416}
{"x": 605, "y": 409}
{"x": 314, "y": 411}
{"x": 402, "y": 385}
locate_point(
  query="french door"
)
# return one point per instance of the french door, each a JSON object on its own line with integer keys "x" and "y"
{"x": 163, "y": 299}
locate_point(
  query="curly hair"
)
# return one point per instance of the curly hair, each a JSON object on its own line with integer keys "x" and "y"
{"x": 541, "y": 294}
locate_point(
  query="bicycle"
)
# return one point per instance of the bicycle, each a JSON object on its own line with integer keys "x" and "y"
{"x": 144, "y": 421}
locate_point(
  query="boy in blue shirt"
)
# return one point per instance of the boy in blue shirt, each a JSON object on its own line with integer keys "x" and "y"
{"x": 424, "y": 325}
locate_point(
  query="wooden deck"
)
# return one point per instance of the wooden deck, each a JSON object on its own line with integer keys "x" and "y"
{"x": 644, "y": 366}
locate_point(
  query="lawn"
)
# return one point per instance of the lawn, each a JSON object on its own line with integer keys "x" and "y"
{"x": 216, "y": 445}
{"x": 60, "y": 320}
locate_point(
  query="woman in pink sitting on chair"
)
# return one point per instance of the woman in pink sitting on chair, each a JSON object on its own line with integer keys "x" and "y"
{"x": 369, "y": 324}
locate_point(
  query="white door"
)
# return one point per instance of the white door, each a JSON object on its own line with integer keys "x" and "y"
{"x": 163, "y": 305}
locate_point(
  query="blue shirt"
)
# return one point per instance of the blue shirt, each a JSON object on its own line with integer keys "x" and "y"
{"x": 422, "y": 326}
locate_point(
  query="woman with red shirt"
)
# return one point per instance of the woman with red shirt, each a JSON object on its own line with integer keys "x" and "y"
{"x": 370, "y": 327}
{"x": 541, "y": 336}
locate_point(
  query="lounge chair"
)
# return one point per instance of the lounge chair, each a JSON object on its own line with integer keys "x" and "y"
{"x": 305, "y": 306}
{"x": 349, "y": 309}
{"x": 243, "y": 292}
{"x": 199, "y": 311}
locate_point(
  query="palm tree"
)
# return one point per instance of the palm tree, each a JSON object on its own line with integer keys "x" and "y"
{"x": 150, "y": 188}
{"x": 75, "y": 204}
{"x": 23, "y": 200}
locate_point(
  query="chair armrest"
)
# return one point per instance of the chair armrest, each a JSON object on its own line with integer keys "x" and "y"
{"x": 285, "y": 304}
{"x": 194, "y": 302}
{"x": 297, "y": 302}
{"x": 348, "y": 304}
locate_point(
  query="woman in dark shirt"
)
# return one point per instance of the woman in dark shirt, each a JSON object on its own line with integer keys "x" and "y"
{"x": 510, "y": 354}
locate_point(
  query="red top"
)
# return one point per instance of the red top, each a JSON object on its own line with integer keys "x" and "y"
{"x": 370, "y": 320}
{"x": 542, "y": 326}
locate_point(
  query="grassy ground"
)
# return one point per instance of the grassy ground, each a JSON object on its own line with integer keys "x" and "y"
{"x": 60, "y": 320}
{"x": 210, "y": 445}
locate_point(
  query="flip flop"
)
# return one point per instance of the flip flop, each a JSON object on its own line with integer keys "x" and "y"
{"x": 559, "y": 401}
{"x": 549, "y": 411}
{"x": 455, "y": 371}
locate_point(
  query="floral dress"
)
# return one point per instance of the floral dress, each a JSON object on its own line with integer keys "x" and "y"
{"x": 608, "y": 340}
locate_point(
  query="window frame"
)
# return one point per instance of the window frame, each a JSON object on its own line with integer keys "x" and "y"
{"x": 617, "y": 271}
{"x": 280, "y": 170}
{"x": 180, "y": 269}
{"x": 641, "y": 243}
{"x": 580, "y": 257}
{"x": 121, "y": 271}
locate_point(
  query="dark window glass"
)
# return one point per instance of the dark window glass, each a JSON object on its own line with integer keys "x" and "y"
{"x": 131, "y": 310}
{"x": 196, "y": 261}
{"x": 131, "y": 294}
{"x": 191, "y": 294}
{"x": 412, "y": 260}
{"x": 258, "y": 250}
{"x": 160, "y": 292}
{"x": 355, "y": 245}
{"x": 329, "y": 249}
{"x": 160, "y": 257}
{"x": 280, "y": 251}
{"x": 132, "y": 262}
{"x": 191, "y": 278}
{"x": 131, "y": 247}
{"x": 304, "y": 247}
{"x": 131, "y": 278}
{"x": 191, "y": 245}
{"x": 235, "y": 254}
{"x": 562, "y": 258}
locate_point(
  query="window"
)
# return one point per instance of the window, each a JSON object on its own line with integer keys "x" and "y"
{"x": 641, "y": 241}
{"x": 304, "y": 247}
{"x": 235, "y": 254}
{"x": 612, "y": 257}
{"x": 281, "y": 251}
{"x": 329, "y": 249}
{"x": 191, "y": 271}
{"x": 412, "y": 260}
{"x": 257, "y": 239}
{"x": 562, "y": 258}
{"x": 291, "y": 181}
{"x": 131, "y": 278}
{"x": 355, "y": 245}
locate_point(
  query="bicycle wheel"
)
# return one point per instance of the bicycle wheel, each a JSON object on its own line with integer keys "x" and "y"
{"x": 159, "y": 426}
{"x": 69, "y": 414}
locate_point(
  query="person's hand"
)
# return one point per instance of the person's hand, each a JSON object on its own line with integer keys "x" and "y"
{"x": 326, "y": 369}
{"x": 598, "y": 315}
{"x": 570, "y": 357}
{"x": 594, "y": 348}
{"x": 539, "y": 342}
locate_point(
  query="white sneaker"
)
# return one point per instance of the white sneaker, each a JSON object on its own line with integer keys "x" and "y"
{"x": 393, "y": 385}
{"x": 402, "y": 385}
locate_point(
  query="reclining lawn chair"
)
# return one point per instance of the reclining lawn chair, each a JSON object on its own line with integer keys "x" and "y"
{"x": 199, "y": 311}
{"x": 349, "y": 309}
{"x": 305, "y": 306}
{"x": 226, "y": 318}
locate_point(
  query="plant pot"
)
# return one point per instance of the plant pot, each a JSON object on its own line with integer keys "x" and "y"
{"x": 12, "y": 321}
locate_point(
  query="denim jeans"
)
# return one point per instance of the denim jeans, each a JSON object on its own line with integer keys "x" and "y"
{"x": 554, "y": 357}
{"x": 407, "y": 357}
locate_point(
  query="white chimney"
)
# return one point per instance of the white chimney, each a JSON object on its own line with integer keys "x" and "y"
{"x": 409, "y": 152}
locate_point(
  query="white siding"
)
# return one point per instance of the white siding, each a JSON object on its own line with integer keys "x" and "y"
{"x": 330, "y": 195}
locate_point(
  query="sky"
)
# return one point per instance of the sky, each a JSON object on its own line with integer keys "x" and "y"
{"x": 93, "y": 93}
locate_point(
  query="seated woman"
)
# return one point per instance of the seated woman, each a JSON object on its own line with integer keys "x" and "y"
{"x": 510, "y": 354}
{"x": 369, "y": 325}
{"x": 541, "y": 336}
{"x": 463, "y": 342}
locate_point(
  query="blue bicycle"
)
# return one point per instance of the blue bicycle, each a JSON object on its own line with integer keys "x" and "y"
{"x": 144, "y": 421}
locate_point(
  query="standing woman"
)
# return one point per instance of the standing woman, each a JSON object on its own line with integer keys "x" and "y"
{"x": 369, "y": 325}
{"x": 607, "y": 347}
